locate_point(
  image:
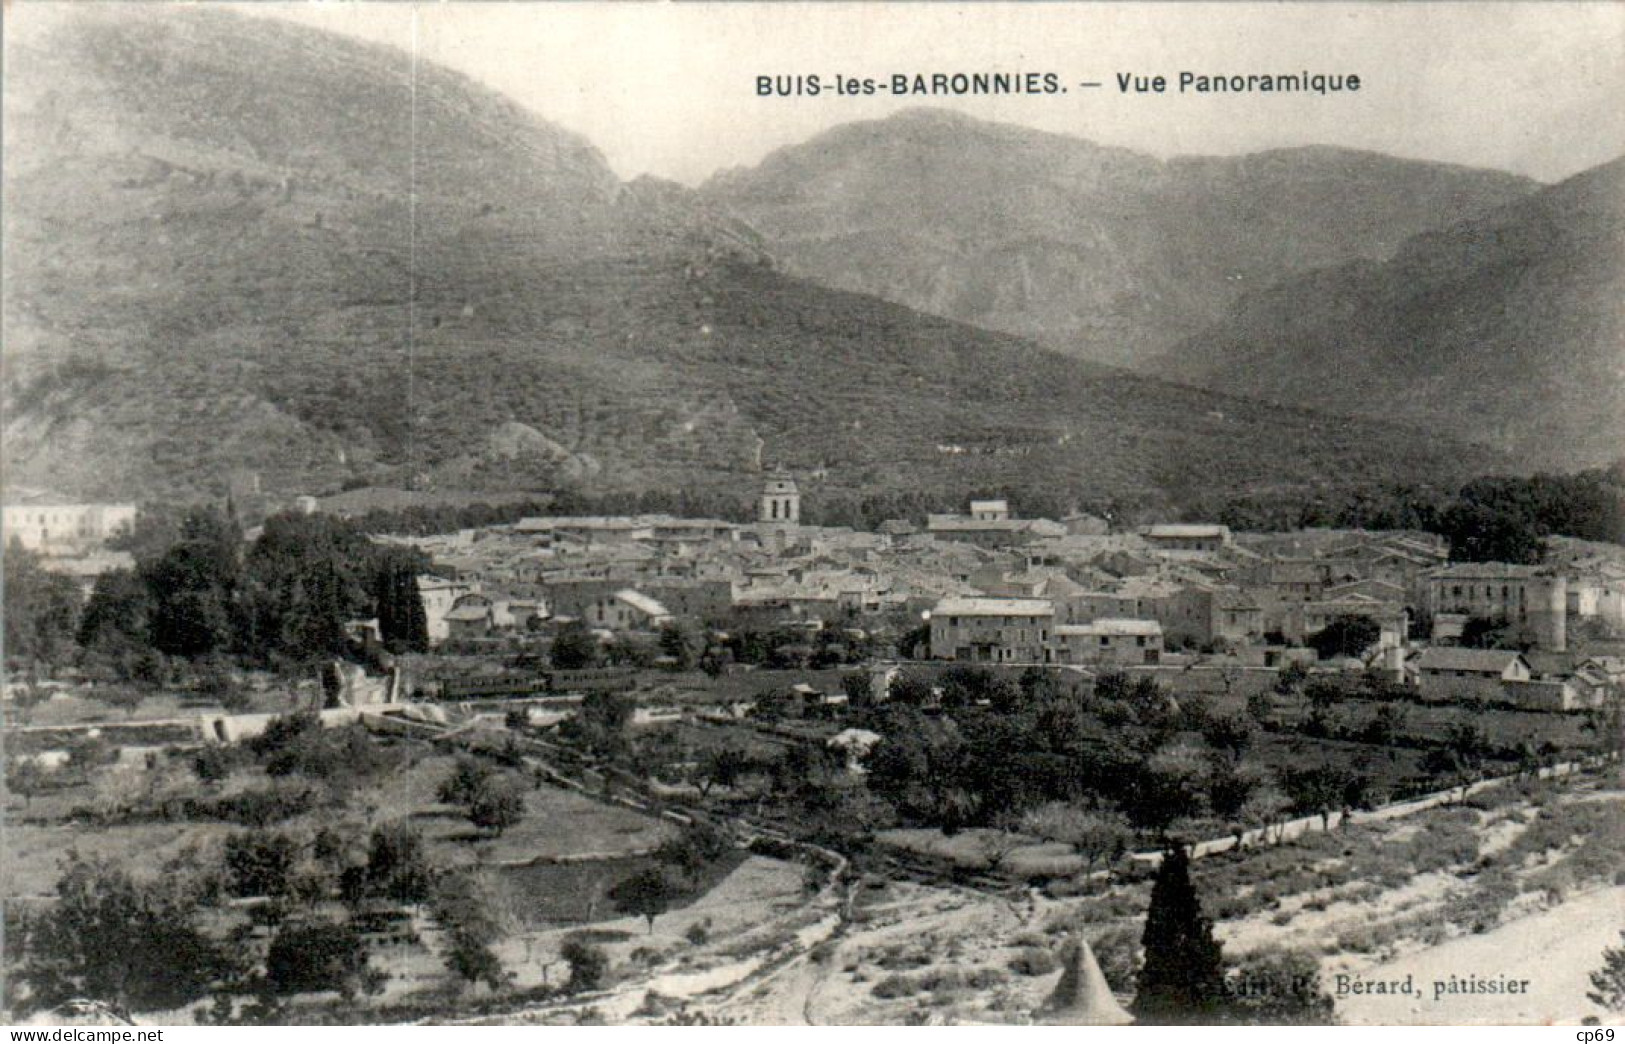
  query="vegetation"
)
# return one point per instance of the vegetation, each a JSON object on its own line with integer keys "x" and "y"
{"x": 648, "y": 893}
{"x": 1486, "y": 519}
{"x": 134, "y": 943}
{"x": 1182, "y": 979}
{"x": 41, "y": 612}
{"x": 463, "y": 914}
{"x": 1098, "y": 836}
{"x": 197, "y": 595}
{"x": 1608, "y": 982}
{"x": 320, "y": 955}
{"x": 1345, "y": 635}
{"x": 1277, "y": 988}
{"x": 589, "y": 965}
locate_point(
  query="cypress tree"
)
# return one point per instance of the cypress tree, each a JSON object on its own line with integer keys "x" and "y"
{"x": 402, "y": 621}
{"x": 1183, "y": 975}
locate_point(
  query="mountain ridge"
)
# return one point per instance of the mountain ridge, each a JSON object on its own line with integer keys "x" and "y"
{"x": 1508, "y": 329}
{"x": 1097, "y": 250}
{"x": 239, "y": 261}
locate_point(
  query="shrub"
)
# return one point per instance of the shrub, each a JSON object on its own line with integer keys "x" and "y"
{"x": 902, "y": 957}
{"x": 1033, "y": 961}
{"x": 320, "y": 955}
{"x": 212, "y": 764}
{"x": 985, "y": 978}
{"x": 894, "y": 986}
{"x": 258, "y": 808}
{"x": 1117, "y": 951}
{"x": 589, "y": 965}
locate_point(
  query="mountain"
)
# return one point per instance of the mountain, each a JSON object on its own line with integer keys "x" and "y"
{"x": 237, "y": 243}
{"x": 1100, "y": 252}
{"x": 1508, "y": 329}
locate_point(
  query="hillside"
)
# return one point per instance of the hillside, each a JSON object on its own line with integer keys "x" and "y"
{"x": 1100, "y": 252}
{"x": 1508, "y": 330}
{"x": 236, "y": 243}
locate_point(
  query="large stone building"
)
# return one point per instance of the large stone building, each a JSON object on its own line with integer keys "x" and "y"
{"x": 440, "y": 596}
{"x": 992, "y": 630}
{"x": 1108, "y": 642}
{"x": 1504, "y": 676}
{"x": 1532, "y": 599}
{"x": 1186, "y": 537}
{"x": 52, "y": 527}
{"x": 627, "y": 610}
{"x": 990, "y": 524}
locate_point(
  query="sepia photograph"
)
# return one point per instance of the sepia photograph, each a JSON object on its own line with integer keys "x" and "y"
{"x": 836, "y": 514}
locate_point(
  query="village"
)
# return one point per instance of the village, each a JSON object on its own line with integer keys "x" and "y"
{"x": 988, "y": 587}
{"x": 703, "y": 723}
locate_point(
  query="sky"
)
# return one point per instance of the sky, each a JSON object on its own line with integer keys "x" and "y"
{"x": 669, "y": 88}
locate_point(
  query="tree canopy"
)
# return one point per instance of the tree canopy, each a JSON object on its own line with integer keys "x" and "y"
{"x": 1182, "y": 979}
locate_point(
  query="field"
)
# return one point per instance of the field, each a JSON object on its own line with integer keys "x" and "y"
{"x": 1448, "y": 890}
{"x": 968, "y": 927}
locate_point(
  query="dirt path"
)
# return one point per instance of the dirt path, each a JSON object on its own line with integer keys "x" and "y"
{"x": 1555, "y": 951}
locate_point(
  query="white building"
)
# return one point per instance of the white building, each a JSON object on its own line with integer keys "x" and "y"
{"x": 59, "y": 528}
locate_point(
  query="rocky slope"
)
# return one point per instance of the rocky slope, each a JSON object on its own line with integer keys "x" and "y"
{"x": 233, "y": 243}
{"x": 1100, "y": 252}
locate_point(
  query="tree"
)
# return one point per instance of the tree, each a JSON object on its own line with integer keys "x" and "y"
{"x": 1323, "y": 694}
{"x": 679, "y": 642}
{"x": 121, "y": 697}
{"x": 588, "y": 964}
{"x": 1266, "y": 806}
{"x": 302, "y": 579}
{"x": 194, "y": 586}
{"x": 132, "y": 943}
{"x": 697, "y": 847}
{"x": 1230, "y": 734}
{"x": 601, "y": 721}
{"x": 464, "y": 915}
{"x": 402, "y": 621}
{"x": 574, "y": 647}
{"x": 1167, "y": 787}
{"x": 1387, "y": 724}
{"x": 965, "y": 685}
{"x": 993, "y": 846}
{"x": 648, "y": 893}
{"x": 859, "y": 691}
{"x": 1231, "y": 782}
{"x": 918, "y": 767}
{"x": 1485, "y": 632}
{"x": 261, "y": 862}
{"x": 1346, "y": 634}
{"x": 1317, "y": 791}
{"x": 1094, "y": 834}
{"x": 397, "y": 866}
{"x": 1480, "y": 532}
{"x": 463, "y": 784}
{"x": 1277, "y": 988}
{"x": 320, "y": 955}
{"x": 724, "y": 767}
{"x": 909, "y": 690}
{"x": 41, "y": 611}
{"x": 1182, "y": 979}
{"x": 1608, "y": 982}
{"x": 498, "y": 804}
{"x": 1291, "y": 678}
{"x": 27, "y": 778}
{"x": 116, "y": 623}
